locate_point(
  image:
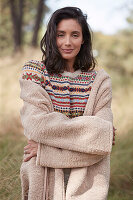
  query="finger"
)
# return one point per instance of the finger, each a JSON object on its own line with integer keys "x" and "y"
{"x": 114, "y": 128}
{"x": 27, "y": 151}
{"x": 28, "y": 158}
{"x": 30, "y": 142}
{"x": 27, "y": 147}
{"x": 32, "y": 154}
{"x": 113, "y": 135}
{"x": 113, "y": 142}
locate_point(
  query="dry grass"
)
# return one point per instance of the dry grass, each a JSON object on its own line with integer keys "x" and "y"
{"x": 10, "y": 102}
{"x": 122, "y": 101}
{"x": 11, "y": 148}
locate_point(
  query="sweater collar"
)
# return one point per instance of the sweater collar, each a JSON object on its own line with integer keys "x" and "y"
{"x": 71, "y": 74}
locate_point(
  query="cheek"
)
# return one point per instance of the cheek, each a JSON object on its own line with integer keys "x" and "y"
{"x": 78, "y": 45}
{"x": 58, "y": 43}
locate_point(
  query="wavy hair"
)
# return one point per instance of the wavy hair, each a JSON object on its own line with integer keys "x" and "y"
{"x": 51, "y": 55}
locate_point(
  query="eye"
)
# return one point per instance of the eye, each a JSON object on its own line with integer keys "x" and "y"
{"x": 75, "y": 35}
{"x": 60, "y": 35}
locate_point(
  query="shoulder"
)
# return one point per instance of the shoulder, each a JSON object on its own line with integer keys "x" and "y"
{"x": 102, "y": 84}
{"x": 103, "y": 81}
{"x": 102, "y": 76}
{"x": 34, "y": 65}
{"x": 34, "y": 70}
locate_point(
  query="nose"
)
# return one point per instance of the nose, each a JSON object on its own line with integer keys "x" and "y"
{"x": 67, "y": 41}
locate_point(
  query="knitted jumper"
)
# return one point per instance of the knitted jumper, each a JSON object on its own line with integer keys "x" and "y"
{"x": 69, "y": 92}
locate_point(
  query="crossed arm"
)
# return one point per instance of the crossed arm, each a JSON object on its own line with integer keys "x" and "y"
{"x": 89, "y": 135}
{"x": 32, "y": 147}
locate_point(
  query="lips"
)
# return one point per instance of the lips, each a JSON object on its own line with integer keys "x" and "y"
{"x": 67, "y": 50}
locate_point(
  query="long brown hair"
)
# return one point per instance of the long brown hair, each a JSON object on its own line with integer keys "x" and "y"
{"x": 51, "y": 55}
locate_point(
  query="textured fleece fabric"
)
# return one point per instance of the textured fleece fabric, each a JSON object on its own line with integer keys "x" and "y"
{"x": 83, "y": 144}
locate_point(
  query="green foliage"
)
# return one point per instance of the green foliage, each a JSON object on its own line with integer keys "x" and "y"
{"x": 130, "y": 18}
{"x": 116, "y": 51}
{"x": 6, "y": 32}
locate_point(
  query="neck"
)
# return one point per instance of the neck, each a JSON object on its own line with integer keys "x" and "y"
{"x": 69, "y": 66}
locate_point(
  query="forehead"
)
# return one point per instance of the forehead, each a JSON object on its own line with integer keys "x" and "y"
{"x": 69, "y": 25}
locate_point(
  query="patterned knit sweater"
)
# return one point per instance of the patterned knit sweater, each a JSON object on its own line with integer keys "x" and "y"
{"x": 68, "y": 91}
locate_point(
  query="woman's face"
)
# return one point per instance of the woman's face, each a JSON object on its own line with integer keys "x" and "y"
{"x": 69, "y": 39}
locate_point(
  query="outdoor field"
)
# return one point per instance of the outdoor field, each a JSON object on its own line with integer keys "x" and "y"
{"x": 22, "y": 27}
{"x": 12, "y": 140}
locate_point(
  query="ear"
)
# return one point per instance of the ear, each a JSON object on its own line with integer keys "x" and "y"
{"x": 82, "y": 42}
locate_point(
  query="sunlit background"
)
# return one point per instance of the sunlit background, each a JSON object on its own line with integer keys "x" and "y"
{"x": 22, "y": 25}
{"x": 107, "y": 16}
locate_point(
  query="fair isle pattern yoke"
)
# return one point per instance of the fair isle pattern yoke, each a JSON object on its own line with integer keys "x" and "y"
{"x": 69, "y": 95}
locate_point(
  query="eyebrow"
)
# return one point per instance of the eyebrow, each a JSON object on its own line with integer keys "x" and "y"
{"x": 72, "y": 31}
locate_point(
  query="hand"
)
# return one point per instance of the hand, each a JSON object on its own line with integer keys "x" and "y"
{"x": 30, "y": 150}
{"x": 114, "y": 129}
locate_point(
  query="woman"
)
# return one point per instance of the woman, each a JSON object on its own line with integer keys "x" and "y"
{"x": 66, "y": 116}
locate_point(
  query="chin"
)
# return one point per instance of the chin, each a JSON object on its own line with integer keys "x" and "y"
{"x": 68, "y": 57}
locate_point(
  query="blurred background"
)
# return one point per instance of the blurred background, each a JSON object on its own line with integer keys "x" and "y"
{"x": 22, "y": 25}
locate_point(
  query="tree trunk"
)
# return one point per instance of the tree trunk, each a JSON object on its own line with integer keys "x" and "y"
{"x": 39, "y": 17}
{"x": 17, "y": 16}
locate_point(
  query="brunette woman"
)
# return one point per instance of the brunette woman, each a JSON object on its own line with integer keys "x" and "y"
{"x": 66, "y": 116}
